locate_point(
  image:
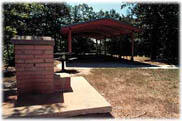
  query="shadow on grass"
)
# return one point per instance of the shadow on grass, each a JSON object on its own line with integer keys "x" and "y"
{"x": 93, "y": 61}
{"x": 7, "y": 73}
{"x": 164, "y": 61}
{"x": 9, "y": 95}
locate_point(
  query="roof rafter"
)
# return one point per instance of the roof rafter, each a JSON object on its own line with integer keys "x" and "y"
{"x": 106, "y": 27}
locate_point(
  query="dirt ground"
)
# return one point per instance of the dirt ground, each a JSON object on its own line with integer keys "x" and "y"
{"x": 138, "y": 93}
{"x": 146, "y": 60}
{"x": 149, "y": 61}
{"x": 133, "y": 93}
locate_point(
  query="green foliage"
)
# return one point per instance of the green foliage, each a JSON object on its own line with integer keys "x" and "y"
{"x": 82, "y": 45}
{"x": 160, "y": 25}
{"x": 46, "y": 19}
{"x": 160, "y": 29}
{"x": 84, "y": 13}
{"x": 158, "y": 22}
{"x": 37, "y": 19}
{"x": 8, "y": 54}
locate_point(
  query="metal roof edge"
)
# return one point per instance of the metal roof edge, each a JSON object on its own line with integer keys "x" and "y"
{"x": 106, "y": 18}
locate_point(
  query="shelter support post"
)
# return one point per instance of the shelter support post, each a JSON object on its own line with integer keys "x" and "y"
{"x": 69, "y": 41}
{"x": 100, "y": 51}
{"x": 132, "y": 47}
{"x": 105, "y": 46}
{"x": 96, "y": 47}
{"x": 60, "y": 43}
{"x": 120, "y": 47}
{"x": 110, "y": 43}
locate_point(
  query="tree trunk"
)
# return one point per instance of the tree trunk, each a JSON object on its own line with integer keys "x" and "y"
{"x": 7, "y": 47}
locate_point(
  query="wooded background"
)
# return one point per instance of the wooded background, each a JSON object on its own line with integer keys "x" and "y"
{"x": 159, "y": 38}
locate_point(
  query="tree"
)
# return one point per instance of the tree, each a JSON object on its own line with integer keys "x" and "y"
{"x": 160, "y": 29}
{"x": 36, "y": 19}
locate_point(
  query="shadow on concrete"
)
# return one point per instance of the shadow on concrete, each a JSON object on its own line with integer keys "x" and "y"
{"x": 93, "y": 61}
{"x": 27, "y": 101}
{"x": 10, "y": 96}
{"x": 39, "y": 99}
{"x": 24, "y": 107}
{"x": 95, "y": 116}
{"x": 70, "y": 71}
{"x": 36, "y": 113}
{"x": 50, "y": 110}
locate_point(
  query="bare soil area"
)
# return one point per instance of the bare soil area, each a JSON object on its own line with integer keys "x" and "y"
{"x": 133, "y": 93}
{"x": 138, "y": 93}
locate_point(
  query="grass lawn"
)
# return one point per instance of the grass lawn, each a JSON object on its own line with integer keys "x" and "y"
{"x": 133, "y": 93}
{"x": 136, "y": 93}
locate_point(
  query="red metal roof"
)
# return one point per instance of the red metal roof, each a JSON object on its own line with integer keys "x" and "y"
{"x": 99, "y": 28}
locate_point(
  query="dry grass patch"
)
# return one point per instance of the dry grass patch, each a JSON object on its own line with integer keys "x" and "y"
{"x": 133, "y": 93}
{"x": 143, "y": 59}
{"x": 137, "y": 93}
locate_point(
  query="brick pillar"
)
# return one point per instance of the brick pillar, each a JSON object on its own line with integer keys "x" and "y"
{"x": 34, "y": 64}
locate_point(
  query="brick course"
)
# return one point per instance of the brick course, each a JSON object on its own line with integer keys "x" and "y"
{"x": 34, "y": 66}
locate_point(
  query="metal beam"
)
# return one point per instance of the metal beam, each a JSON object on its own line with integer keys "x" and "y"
{"x": 132, "y": 47}
{"x": 69, "y": 41}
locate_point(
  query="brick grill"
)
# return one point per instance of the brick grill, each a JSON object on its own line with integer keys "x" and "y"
{"x": 34, "y": 64}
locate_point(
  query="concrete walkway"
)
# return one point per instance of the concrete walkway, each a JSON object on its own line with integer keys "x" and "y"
{"x": 84, "y": 99}
{"x": 163, "y": 67}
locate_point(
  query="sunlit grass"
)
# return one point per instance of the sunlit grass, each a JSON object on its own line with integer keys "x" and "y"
{"x": 154, "y": 91}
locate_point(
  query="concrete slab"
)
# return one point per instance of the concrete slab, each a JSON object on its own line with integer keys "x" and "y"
{"x": 63, "y": 75}
{"x": 83, "y": 100}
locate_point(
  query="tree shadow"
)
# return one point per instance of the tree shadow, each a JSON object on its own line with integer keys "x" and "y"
{"x": 39, "y": 99}
{"x": 39, "y": 112}
{"x": 93, "y": 61}
{"x": 7, "y": 73}
{"x": 26, "y": 103}
{"x": 10, "y": 95}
